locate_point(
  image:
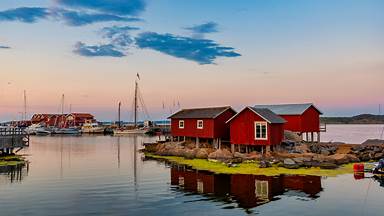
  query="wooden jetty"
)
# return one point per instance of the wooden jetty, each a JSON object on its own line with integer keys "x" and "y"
{"x": 13, "y": 138}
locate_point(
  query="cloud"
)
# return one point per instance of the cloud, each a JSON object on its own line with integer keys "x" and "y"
{"x": 75, "y": 18}
{"x": 24, "y": 14}
{"x": 119, "y": 7}
{"x": 4, "y": 47}
{"x": 202, "y": 51}
{"x": 119, "y": 35}
{"x": 209, "y": 27}
{"x": 97, "y": 50}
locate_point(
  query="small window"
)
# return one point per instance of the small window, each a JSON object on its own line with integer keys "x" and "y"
{"x": 181, "y": 124}
{"x": 261, "y": 189}
{"x": 200, "y": 124}
{"x": 261, "y": 131}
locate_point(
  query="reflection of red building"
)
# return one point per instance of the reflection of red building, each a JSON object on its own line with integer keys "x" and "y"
{"x": 248, "y": 190}
{"x": 62, "y": 120}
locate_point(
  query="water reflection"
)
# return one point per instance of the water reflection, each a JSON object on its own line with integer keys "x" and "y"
{"x": 13, "y": 174}
{"x": 248, "y": 191}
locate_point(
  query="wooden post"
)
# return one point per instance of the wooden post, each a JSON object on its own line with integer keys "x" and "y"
{"x": 267, "y": 149}
{"x": 318, "y": 137}
{"x": 246, "y": 149}
{"x": 219, "y": 141}
{"x": 197, "y": 142}
{"x": 184, "y": 138}
{"x": 233, "y": 148}
{"x": 238, "y": 147}
{"x": 312, "y": 137}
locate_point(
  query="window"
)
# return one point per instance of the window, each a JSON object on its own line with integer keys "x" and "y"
{"x": 261, "y": 130}
{"x": 261, "y": 189}
{"x": 200, "y": 124}
{"x": 181, "y": 124}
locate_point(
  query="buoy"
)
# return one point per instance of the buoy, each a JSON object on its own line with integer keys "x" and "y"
{"x": 358, "y": 167}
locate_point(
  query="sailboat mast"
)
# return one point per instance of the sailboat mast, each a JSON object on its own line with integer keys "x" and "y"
{"x": 135, "y": 104}
{"x": 119, "y": 115}
{"x": 25, "y": 106}
{"x": 62, "y": 111}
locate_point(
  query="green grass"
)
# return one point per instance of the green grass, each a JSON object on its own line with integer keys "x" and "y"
{"x": 252, "y": 167}
{"x": 11, "y": 160}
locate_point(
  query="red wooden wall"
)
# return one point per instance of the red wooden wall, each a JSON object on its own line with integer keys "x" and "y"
{"x": 309, "y": 121}
{"x": 242, "y": 130}
{"x": 212, "y": 128}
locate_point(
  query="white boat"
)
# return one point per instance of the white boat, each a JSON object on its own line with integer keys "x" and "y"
{"x": 42, "y": 131}
{"x": 66, "y": 131}
{"x": 130, "y": 131}
{"x": 91, "y": 127}
{"x": 31, "y": 130}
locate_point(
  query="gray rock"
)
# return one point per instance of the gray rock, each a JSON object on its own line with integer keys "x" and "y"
{"x": 264, "y": 164}
{"x": 290, "y": 164}
{"x": 328, "y": 166}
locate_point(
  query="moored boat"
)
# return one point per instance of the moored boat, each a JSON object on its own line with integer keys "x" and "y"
{"x": 91, "y": 127}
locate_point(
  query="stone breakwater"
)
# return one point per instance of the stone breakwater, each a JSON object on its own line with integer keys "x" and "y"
{"x": 323, "y": 155}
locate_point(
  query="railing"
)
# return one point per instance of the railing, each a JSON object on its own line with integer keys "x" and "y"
{"x": 13, "y": 138}
{"x": 323, "y": 127}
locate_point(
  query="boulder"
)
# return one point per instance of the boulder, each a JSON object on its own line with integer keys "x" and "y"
{"x": 201, "y": 153}
{"x": 291, "y": 136}
{"x": 340, "y": 158}
{"x": 264, "y": 164}
{"x": 253, "y": 156}
{"x": 221, "y": 155}
{"x": 327, "y": 165}
{"x": 239, "y": 155}
{"x": 290, "y": 164}
{"x": 378, "y": 156}
{"x": 353, "y": 158}
{"x": 189, "y": 154}
{"x": 325, "y": 152}
{"x": 373, "y": 142}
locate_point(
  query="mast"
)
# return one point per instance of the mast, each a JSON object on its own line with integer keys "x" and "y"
{"x": 25, "y": 106}
{"x": 62, "y": 110}
{"x": 135, "y": 104}
{"x": 119, "y": 115}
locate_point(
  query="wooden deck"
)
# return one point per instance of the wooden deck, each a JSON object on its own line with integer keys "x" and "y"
{"x": 13, "y": 138}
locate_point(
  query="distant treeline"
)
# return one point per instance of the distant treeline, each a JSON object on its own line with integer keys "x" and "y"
{"x": 359, "y": 119}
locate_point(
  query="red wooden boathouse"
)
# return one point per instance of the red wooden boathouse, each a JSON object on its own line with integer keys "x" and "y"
{"x": 202, "y": 124}
{"x": 301, "y": 118}
{"x": 256, "y": 128}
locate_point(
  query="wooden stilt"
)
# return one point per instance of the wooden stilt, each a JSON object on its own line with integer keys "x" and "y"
{"x": 219, "y": 141}
{"x": 197, "y": 142}
{"x": 312, "y": 137}
{"x": 233, "y": 148}
{"x": 318, "y": 137}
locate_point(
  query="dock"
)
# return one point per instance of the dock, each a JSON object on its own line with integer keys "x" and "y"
{"x": 13, "y": 139}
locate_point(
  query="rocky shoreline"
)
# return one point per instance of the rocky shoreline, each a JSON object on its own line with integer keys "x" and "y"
{"x": 300, "y": 155}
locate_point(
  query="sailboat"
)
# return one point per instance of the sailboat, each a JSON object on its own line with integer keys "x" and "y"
{"x": 135, "y": 129}
{"x": 62, "y": 129}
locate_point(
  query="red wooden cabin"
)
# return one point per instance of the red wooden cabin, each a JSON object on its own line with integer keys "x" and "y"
{"x": 202, "y": 123}
{"x": 301, "y": 118}
{"x": 257, "y": 128}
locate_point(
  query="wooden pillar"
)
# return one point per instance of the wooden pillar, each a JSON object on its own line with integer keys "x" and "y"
{"x": 312, "y": 137}
{"x": 268, "y": 149}
{"x": 233, "y": 148}
{"x": 178, "y": 139}
{"x": 238, "y": 147}
{"x": 219, "y": 142}
{"x": 197, "y": 142}
{"x": 246, "y": 149}
{"x": 318, "y": 137}
{"x": 184, "y": 138}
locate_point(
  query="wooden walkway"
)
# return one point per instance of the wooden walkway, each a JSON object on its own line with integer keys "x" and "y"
{"x": 13, "y": 138}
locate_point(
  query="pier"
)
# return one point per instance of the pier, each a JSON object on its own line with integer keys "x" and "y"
{"x": 13, "y": 138}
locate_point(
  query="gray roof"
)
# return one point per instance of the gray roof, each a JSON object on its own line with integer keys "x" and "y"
{"x": 268, "y": 115}
{"x": 264, "y": 113}
{"x": 288, "y": 109}
{"x": 209, "y": 112}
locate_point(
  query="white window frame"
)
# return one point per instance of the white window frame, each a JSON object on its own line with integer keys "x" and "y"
{"x": 202, "y": 124}
{"x": 183, "y": 124}
{"x": 261, "y": 123}
{"x": 261, "y": 189}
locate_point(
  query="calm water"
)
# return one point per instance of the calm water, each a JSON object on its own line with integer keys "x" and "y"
{"x": 353, "y": 134}
{"x": 102, "y": 175}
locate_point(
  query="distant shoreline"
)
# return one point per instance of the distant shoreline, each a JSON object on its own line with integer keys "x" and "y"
{"x": 359, "y": 119}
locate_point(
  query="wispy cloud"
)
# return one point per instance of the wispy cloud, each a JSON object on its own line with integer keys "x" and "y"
{"x": 97, "y": 50}
{"x": 202, "y": 51}
{"x": 75, "y": 18}
{"x": 4, "y": 47}
{"x": 24, "y": 14}
{"x": 119, "y": 35}
{"x": 209, "y": 27}
{"x": 119, "y": 7}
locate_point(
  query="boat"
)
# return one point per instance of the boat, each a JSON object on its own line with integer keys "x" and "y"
{"x": 66, "y": 131}
{"x": 31, "y": 130}
{"x": 42, "y": 131}
{"x": 135, "y": 129}
{"x": 92, "y": 127}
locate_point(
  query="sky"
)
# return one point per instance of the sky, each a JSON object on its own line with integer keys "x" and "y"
{"x": 191, "y": 53}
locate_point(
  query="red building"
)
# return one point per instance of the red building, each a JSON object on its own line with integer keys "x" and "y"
{"x": 301, "y": 118}
{"x": 202, "y": 124}
{"x": 62, "y": 120}
{"x": 256, "y": 128}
